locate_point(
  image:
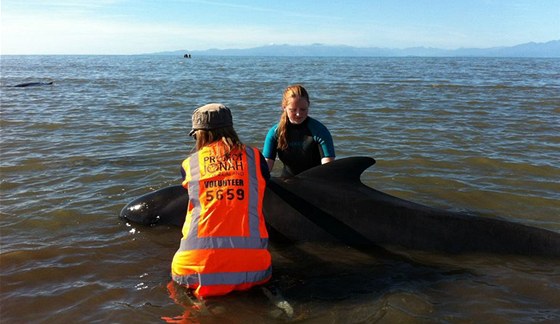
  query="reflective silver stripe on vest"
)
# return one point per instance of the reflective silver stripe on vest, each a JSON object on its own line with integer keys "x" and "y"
{"x": 230, "y": 242}
{"x": 194, "y": 194}
{"x": 223, "y": 278}
{"x": 253, "y": 193}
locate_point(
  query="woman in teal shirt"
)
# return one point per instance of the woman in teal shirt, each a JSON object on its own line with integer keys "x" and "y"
{"x": 301, "y": 142}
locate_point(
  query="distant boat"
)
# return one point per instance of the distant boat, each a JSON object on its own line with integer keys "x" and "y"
{"x": 187, "y": 55}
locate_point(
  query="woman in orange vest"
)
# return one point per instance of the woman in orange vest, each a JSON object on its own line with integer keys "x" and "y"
{"x": 225, "y": 241}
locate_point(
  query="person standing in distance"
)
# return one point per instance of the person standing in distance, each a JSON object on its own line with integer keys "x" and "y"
{"x": 301, "y": 142}
{"x": 225, "y": 242}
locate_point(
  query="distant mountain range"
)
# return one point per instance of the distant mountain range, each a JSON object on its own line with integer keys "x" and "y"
{"x": 548, "y": 49}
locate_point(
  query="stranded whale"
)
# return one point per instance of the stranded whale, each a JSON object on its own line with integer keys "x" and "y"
{"x": 329, "y": 203}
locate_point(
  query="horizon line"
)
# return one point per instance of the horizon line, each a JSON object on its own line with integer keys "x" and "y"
{"x": 295, "y": 45}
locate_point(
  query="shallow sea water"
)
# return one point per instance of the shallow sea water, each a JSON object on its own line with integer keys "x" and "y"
{"x": 476, "y": 134}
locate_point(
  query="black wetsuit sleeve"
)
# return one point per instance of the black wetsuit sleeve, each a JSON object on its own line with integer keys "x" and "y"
{"x": 183, "y": 174}
{"x": 264, "y": 167}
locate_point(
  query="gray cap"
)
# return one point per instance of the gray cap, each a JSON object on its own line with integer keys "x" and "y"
{"x": 211, "y": 116}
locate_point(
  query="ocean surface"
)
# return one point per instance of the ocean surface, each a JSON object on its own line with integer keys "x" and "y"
{"x": 463, "y": 134}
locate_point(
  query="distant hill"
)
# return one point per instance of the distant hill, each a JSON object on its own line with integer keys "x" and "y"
{"x": 548, "y": 49}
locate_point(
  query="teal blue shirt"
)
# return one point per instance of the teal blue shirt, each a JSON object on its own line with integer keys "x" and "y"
{"x": 308, "y": 143}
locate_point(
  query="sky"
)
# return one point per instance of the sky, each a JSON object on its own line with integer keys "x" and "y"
{"x": 147, "y": 26}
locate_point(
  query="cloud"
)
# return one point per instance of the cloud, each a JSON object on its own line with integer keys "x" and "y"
{"x": 132, "y": 27}
{"x": 72, "y": 32}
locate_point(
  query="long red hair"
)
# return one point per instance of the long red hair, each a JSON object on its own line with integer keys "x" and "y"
{"x": 226, "y": 134}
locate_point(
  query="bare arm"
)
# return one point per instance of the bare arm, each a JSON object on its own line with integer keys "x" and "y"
{"x": 324, "y": 160}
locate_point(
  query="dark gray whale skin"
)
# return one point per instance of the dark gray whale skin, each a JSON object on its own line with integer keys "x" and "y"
{"x": 329, "y": 203}
{"x": 32, "y": 84}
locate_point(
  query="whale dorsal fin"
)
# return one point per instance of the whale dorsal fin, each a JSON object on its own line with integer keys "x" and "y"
{"x": 347, "y": 170}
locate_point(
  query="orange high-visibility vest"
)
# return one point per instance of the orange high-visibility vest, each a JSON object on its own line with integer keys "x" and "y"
{"x": 224, "y": 244}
